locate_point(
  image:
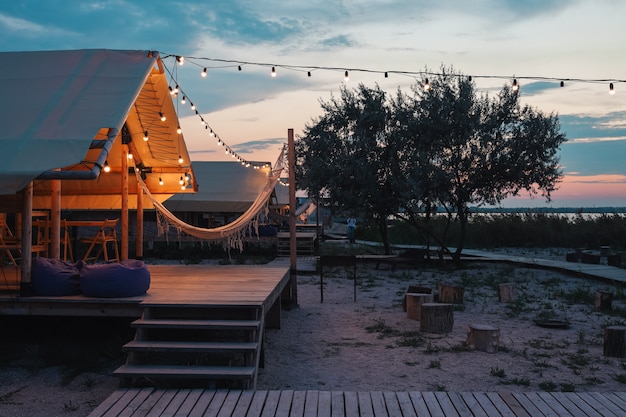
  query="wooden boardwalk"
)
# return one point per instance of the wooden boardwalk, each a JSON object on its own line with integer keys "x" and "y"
{"x": 144, "y": 402}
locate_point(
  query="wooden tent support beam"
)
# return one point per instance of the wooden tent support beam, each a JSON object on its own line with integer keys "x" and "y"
{"x": 27, "y": 241}
{"x": 139, "y": 239}
{"x": 124, "y": 213}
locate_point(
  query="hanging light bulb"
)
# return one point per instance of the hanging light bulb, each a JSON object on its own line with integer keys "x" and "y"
{"x": 187, "y": 177}
{"x": 562, "y": 83}
{"x": 226, "y": 151}
{"x": 386, "y": 74}
{"x": 273, "y": 72}
{"x": 515, "y": 85}
{"x": 193, "y": 106}
{"x": 145, "y": 136}
{"x": 204, "y": 73}
{"x": 176, "y": 89}
{"x": 211, "y": 133}
{"x": 160, "y": 181}
{"x": 180, "y": 60}
{"x": 179, "y": 130}
{"x": 107, "y": 168}
{"x": 181, "y": 181}
{"x": 183, "y": 100}
{"x": 171, "y": 90}
{"x": 180, "y": 159}
{"x": 611, "y": 89}
{"x": 426, "y": 85}
{"x": 239, "y": 67}
{"x": 308, "y": 73}
{"x": 182, "y": 187}
{"x": 346, "y": 77}
{"x": 130, "y": 155}
{"x": 162, "y": 116}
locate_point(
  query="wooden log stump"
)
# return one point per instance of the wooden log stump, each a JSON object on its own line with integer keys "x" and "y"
{"x": 451, "y": 293}
{"x": 436, "y": 318}
{"x": 615, "y": 341}
{"x": 603, "y": 300}
{"x": 414, "y": 303}
{"x": 415, "y": 289}
{"x": 483, "y": 337}
{"x": 506, "y": 293}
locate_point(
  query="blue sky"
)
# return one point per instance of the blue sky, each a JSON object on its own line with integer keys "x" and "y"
{"x": 539, "y": 42}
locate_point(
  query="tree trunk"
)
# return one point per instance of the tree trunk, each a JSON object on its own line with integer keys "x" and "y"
{"x": 506, "y": 293}
{"x": 450, "y": 293}
{"x": 414, "y": 303}
{"x": 384, "y": 233}
{"x": 483, "y": 337}
{"x": 603, "y": 300}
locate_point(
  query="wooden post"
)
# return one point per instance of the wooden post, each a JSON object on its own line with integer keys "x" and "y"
{"x": 415, "y": 289}
{"x": 139, "y": 238}
{"x": 483, "y": 337}
{"x": 450, "y": 293}
{"x": 54, "y": 246}
{"x": 27, "y": 240}
{"x": 436, "y": 318}
{"x": 291, "y": 163}
{"x": 603, "y": 300}
{"x": 124, "y": 214}
{"x": 414, "y": 303}
{"x": 615, "y": 341}
{"x": 506, "y": 293}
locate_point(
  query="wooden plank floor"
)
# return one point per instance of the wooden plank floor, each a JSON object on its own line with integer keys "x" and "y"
{"x": 215, "y": 285}
{"x": 138, "y": 402}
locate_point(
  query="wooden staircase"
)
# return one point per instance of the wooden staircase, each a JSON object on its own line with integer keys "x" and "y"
{"x": 194, "y": 345}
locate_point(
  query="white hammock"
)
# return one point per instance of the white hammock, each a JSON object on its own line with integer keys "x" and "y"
{"x": 232, "y": 233}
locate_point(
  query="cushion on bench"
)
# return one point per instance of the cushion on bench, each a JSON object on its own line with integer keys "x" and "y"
{"x": 128, "y": 278}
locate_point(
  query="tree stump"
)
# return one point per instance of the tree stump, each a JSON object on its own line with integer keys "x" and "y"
{"x": 603, "y": 300}
{"x": 436, "y": 318}
{"x": 615, "y": 341}
{"x": 506, "y": 293}
{"x": 414, "y": 303}
{"x": 483, "y": 337}
{"x": 415, "y": 289}
{"x": 450, "y": 293}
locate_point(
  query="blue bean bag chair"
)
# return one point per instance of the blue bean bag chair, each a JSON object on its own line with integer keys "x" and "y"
{"x": 53, "y": 277}
{"x": 128, "y": 278}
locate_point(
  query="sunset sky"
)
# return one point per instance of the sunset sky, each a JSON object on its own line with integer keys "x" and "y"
{"x": 537, "y": 42}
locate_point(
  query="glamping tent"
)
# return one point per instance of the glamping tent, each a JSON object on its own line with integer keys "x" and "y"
{"x": 76, "y": 114}
{"x": 217, "y": 202}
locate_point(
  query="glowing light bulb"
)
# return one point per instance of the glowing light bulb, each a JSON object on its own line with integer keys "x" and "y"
{"x": 180, "y": 60}
{"x": 515, "y": 85}
{"x": 204, "y": 73}
{"x": 145, "y": 136}
{"x": 183, "y": 100}
{"x": 179, "y": 130}
{"x": 273, "y": 72}
{"x": 160, "y": 181}
{"x": 611, "y": 89}
{"x": 180, "y": 159}
{"x": 107, "y": 168}
{"x": 426, "y": 85}
{"x": 171, "y": 90}
{"x": 181, "y": 182}
{"x": 130, "y": 155}
{"x": 346, "y": 77}
{"x": 162, "y": 116}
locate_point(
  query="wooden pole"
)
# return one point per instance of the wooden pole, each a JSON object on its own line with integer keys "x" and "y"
{"x": 55, "y": 220}
{"x": 291, "y": 159}
{"x": 139, "y": 240}
{"x": 27, "y": 240}
{"x": 124, "y": 214}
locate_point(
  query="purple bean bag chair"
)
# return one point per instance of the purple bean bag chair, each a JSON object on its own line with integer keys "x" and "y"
{"x": 53, "y": 277}
{"x": 128, "y": 278}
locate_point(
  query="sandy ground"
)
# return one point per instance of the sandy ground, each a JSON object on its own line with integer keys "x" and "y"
{"x": 370, "y": 344}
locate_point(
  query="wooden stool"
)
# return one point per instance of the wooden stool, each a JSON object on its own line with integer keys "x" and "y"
{"x": 450, "y": 293}
{"x": 506, "y": 293}
{"x": 414, "y": 303}
{"x": 615, "y": 341}
{"x": 483, "y": 337}
{"x": 436, "y": 318}
{"x": 603, "y": 300}
{"x": 415, "y": 289}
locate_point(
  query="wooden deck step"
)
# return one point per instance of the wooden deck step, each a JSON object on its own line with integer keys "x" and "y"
{"x": 196, "y": 324}
{"x": 178, "y": 346}
{"x": 186, "y": 372}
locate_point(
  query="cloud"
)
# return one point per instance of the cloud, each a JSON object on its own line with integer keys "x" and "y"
{"x": 258, "y": 145}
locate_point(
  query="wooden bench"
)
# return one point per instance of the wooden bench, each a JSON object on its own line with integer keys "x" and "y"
{"x": 410, "y": 257}
{"x": 336, "y": 260}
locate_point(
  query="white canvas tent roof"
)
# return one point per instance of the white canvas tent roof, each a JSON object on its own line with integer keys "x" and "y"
{"x": 64, "y": 107}
{"x": 223, "y": 187}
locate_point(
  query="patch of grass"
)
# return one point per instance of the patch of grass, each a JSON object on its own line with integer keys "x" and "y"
{"x": 411, "y": 339}
{"x": 568, "y": 387}
{"x": 517, "y": 381}
{"x": 499, "y": 372}
{"x": 69, "y": 406}
{"x": 7, "y": 398}
{"x": 435, "y": 364}
{"x": 621, "y": 378}
{"x": 380, "y": 327}
{"x": 547, "y": 386}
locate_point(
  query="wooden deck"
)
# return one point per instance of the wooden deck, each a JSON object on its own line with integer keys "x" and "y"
{"x": 228, "y": 403}
{"x": 223, "y": 285}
